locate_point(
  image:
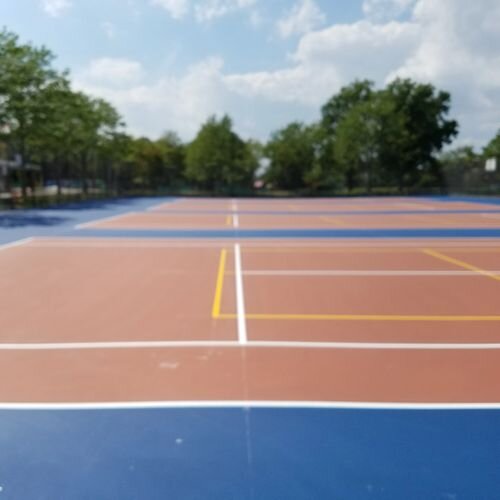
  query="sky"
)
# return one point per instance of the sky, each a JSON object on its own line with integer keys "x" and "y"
{"x": 170, "y": 64}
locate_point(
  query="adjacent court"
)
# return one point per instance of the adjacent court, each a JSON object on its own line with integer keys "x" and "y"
{"x": 316, "y": 360}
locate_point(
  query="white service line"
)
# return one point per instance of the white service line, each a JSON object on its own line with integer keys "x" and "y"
{"x": 104, "y": 219}
{"x": 240, "y": 298}
{"x": 236, "y": 221}
{"x": 367, "y": 273}
{"x": 244, "y": 404}
{"x": 17, "y": 243}
{"x": 242, "y": 341}
{"x": 153, "y": 344}
{"x": 376, "y": 345}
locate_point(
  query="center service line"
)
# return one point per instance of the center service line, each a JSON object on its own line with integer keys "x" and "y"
{"x": 240, "y": 299}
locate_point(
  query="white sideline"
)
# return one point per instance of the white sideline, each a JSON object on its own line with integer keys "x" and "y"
{"x": 17, "y": 243}
{"x": 241, "y": 404}
{"x": 104, "y": 219}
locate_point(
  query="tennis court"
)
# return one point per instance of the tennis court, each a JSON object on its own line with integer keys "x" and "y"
{"x": 226, "y": 348}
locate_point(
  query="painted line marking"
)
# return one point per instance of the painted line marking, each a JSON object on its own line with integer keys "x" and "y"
{"x": 219, "y": 284}
{"x": 236, "y": 221}
{"x": 414, "y": 205}
{"x": 17, "y": 243}
{"x": 253, "y": 344}
{"x": 460, "y": 263}
{"x": 104, "y": 219}
{"x": 367, "y": 273}
{"x": 240, "y": 298}
{"x": 335, "y": 221}
{"x": 228, "y": 220}
{"x": 362, "y": 317}
{"x": 242, "y": 404}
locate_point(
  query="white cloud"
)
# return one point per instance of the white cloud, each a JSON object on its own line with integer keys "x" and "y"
{"x": 207, "y": 10}
{"x": 176, "y": 8}
{"x": 55, "y": 8}
{"x": 113, "y": 72}
{"x": 109, "y": 29}
{"x": 453, "y": 44}
{"x": 302, "y": 18}
{"x": 204, "y": 10}
{"x": 381, "y": 10}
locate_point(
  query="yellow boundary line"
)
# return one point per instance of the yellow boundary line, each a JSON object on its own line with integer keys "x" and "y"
{"x": 460, "y": 263}
{"x": 216, "y": 308}
{"x": 219, "y": 285}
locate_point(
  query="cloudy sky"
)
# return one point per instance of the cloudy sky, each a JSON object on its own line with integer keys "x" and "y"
{"x": 168, "y": 64}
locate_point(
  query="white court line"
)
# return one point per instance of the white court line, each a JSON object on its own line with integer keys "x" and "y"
{"x": 415, "y": 205}
{"x": 244, "y": 404}
{"x": 152, "y": 344}
{"x": 240, "y": 298}
{"x": 236, "y": 217}
{"x": 104, "y": 219}
{"x": 367, "y": 273}
{"x": 17, "y": 243}
{"x": 231, "y": 344}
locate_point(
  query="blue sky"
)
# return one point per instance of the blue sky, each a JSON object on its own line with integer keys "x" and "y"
{"x": 169, "y": 64}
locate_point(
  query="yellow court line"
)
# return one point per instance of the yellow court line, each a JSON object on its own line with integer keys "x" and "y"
{"x": 360, "y": 317}
{"x": 219, "y": 285}
{"x": 460, "y": 263}
{"x": 229, "y": 220}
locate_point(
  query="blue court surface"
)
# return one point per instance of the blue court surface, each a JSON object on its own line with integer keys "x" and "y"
{"x": 249, "y": 454}
{"x": 405, "y": 449}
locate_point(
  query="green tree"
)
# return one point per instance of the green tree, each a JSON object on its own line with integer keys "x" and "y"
{"x": 462, "y": 169}
{"x": 292, "y": 154}
{"x": 339, "y": 105}
{"x": 219, "y": 159}
{"x": 173, "y": 153}
{"x": 492, "y": 150}
{"x": 427, "y": 131}
{"x": 26, "y": 72}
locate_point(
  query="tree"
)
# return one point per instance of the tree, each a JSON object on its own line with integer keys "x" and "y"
{"x": 219, "y": 159}
{"x": 26, "y": 72}
{"x": 369, "y": 138}
{"x": 291, "y": 153}
{"x": 462, "y": 169}
{"x": 173, "y": 153}
{"x": 340, "y": 104}
{"x": 425, "y": 110}
{"x": 492, "y": 150}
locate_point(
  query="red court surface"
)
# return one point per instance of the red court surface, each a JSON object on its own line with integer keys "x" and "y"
{"x": 103, "y": 320}
{"x": 168, "y": 221}
{"x": 319, "y": 205}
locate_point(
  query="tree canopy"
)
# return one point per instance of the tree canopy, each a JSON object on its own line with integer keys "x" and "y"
{"x": 367, "y": 139}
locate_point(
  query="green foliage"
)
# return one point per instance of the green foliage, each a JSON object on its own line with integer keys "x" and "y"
{"x": 292, "y": 155}
{"x": 220, "y": 160}
{"x": 492, "y": 150}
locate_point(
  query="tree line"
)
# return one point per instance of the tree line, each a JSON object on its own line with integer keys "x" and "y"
{"x": 367, "y": 140}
